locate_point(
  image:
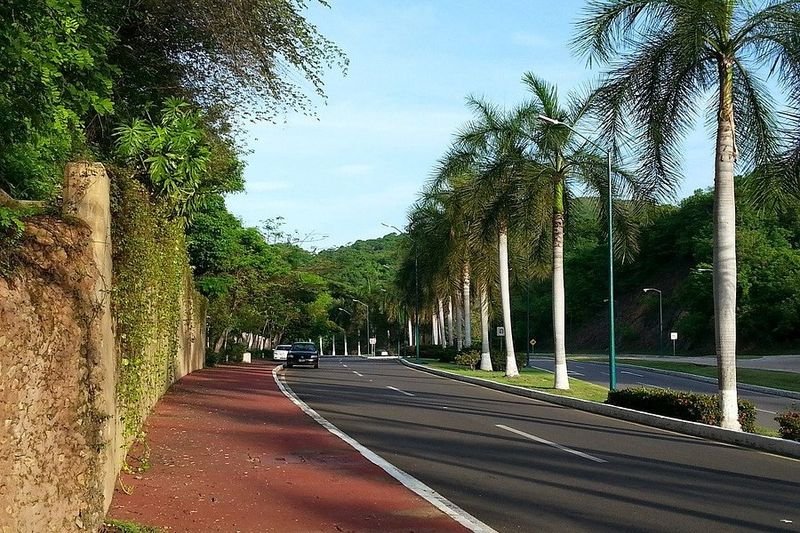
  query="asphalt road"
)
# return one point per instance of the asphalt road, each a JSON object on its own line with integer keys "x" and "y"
{"x": 767, "y": 405}
{"x": 525, "y": 465}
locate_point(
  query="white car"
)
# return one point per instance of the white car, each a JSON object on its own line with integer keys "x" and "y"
{"x": 281, "y": 351}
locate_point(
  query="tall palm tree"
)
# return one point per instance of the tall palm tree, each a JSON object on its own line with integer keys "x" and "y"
{"x": 666, "y": 58}
{"x": 502, "y": 191}
{"x": 567, "y": 164}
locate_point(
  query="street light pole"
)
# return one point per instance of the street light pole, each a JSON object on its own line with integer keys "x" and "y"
{"x": 660, "y": 318}
{"x": 612, "y": 347}
{"x": 416, "y": 289}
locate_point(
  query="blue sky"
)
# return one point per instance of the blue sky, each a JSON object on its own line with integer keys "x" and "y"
{"x": 365, "y": 157}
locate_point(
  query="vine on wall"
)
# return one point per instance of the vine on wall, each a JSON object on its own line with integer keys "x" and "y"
{"x": 150, "y": 266}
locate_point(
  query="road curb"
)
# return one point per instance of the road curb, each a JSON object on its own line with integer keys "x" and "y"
{"x": 739, "y": 438}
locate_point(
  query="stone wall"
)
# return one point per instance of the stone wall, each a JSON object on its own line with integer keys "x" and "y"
{"x": 50, "y": 473}
{"x": 61, "y": 442}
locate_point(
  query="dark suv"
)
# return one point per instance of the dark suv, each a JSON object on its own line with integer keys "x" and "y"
{"x": 302, "y": 353}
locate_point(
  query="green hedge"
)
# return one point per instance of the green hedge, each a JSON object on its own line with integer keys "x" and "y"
{"x": 789, "y": 424}
{"x": 431, "y": 351}
{"x": 689, "y": 406}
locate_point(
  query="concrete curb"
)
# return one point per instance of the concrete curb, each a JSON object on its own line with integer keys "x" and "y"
{"x": 704, "y": 379}
{"x": 748, "y": 440}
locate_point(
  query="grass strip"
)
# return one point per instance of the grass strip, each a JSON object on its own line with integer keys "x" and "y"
{"x": 775, "y": 379}
{"x": 532, "y": 378}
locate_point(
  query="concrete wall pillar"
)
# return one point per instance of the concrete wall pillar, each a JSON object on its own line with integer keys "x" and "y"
{"x": 87, "y": 197}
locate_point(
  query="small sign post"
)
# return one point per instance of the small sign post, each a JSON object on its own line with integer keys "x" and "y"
{"x": 501, "y": 331}
{"x": 674, "y": 336}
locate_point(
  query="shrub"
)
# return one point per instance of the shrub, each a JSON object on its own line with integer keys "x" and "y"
{"x": 499, "y": 360}
{"x": 211, "y": 358}
{"x": 704, "y": 408}
{"x": 431, "y": 351}
{"x": 233, "y": 353}
{"x": 789, "y": 424}
{"x": 468, "y": 358}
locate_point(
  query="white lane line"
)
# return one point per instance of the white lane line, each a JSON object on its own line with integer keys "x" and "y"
{"x": 553, "y": 444}
{"x": 648, "y": 385}
{"x": 344, "y": 365}
{"x": 540, "y": 368}
{"x": 573, "y": 373}
{"x": 765, "y": 411}
{"x": 398, "y": 390}
{"x": 631, "y": 373}
{"x": 359, "y": 374}
{"x": 437, "y": 500}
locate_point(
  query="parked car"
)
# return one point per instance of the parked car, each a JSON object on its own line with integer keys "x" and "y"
{"x": 302, "y": 353}
{"x": 280, "y": 352}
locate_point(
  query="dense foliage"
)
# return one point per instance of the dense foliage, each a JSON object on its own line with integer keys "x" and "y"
{"x": 676, "y": 246}
{"x": 694, "y": 407}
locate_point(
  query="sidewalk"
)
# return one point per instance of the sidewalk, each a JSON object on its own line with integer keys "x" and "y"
{"x": 230, "y": 453}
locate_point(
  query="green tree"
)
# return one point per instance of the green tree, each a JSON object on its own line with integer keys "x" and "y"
{"x": 54, "y": 76}
{"x": 666, "y": 57}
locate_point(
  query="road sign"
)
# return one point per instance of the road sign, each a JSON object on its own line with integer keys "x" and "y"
{"x": 501, "y": 331}
{"x": 533, "y": 342}
{"x": 673, "y": 335}
{"x": 373, "y": 341}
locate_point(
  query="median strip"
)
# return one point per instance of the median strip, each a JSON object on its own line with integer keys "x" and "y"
{"x": 553, "y": 444}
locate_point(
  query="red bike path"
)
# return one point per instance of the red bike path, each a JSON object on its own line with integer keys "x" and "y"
{"x": 228, "y": 452}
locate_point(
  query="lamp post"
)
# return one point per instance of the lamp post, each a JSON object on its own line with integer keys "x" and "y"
{"x": 416, "y": 289}
{"x": 612, "y": 349}
{"x": 346, "y": 353}
{"x": 369, "y": 346}
{"x": 660, "y": 317}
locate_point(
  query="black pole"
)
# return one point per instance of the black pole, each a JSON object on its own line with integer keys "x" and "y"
{"x": 416, "y": 290}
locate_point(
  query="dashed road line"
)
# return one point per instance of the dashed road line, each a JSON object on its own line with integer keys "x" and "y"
{"x": 631, "y": 373}
{"x": 400, "y": 391}
{"x": 553, "y": 444}
{"x": 359, "y": 374}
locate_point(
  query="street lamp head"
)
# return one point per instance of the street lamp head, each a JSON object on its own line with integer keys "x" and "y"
{"x": 392, "y": 227}
{"x": 651, "y": 289}
{"x": 549, "y": 120}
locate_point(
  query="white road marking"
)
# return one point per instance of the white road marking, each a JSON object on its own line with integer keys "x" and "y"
{"x": 540, "y": 368}
{"x": 358, "y": 374}
{"x": 344, "y": 365}
{"x": 631, "y": 373}
{"x": 437, "y": 500}
{"x": 398, "y": 390}
{"x": 553, "y": 444}
{"x": 765, "y": 411}
{"x": 573, "y": 373}
{"x": 786, "y": 521}
{"x": 648, "y": 385}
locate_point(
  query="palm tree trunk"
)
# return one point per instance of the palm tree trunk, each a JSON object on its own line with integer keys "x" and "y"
{"x": 559, "y": 344}
{"x": 505, "y": 299}
{"x": 435, "y": 327}
{"x": 725, "y": 252}
{"x": 441, "y": 323}
{"x": 467, "y": 306}
{"x": 459, "y": 311}
{"x": 450, "y": 340}
{"x": 486, "y": 358}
